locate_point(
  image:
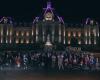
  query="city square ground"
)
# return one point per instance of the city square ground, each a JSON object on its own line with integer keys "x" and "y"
{"x": 34, "y": 75}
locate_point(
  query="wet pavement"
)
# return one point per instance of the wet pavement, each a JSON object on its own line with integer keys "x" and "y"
{"x": 33, "y": 75}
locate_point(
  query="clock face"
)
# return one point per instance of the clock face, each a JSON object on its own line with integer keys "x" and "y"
{"x": 48, "y": 16}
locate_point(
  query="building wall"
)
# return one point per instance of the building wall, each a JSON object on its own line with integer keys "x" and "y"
{"x": 58, "y": 34}
{"x": 86, "y": 34}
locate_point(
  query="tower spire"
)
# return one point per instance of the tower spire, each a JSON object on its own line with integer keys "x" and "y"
{"x": 49, "y": 7}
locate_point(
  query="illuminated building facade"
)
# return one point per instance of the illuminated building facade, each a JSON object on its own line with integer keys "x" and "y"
{"x": 50, "y": 25}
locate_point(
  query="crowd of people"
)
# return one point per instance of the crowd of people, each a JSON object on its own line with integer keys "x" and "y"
{"x": 59, "y": 60}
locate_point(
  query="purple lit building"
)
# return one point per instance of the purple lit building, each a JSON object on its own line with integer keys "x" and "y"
{"x": 49, "y": 26}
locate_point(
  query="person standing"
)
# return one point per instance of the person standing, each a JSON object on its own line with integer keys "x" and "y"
{"x": 60, "y": 61}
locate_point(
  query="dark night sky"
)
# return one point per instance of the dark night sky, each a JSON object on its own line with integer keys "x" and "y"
{"x": 71, "y": 10}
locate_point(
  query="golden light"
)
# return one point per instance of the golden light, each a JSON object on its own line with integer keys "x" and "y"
{"x": 17, "y": 41}
{"x": 10, "y": 40}
{"x": 94, "y": 32}
{"x": 32, "y": 33}
{"x": 68, "y": 41}
{"x": 79, "y": 42}
{"x": 98, "y": 34}
{"x": 89, "y": 33}
{"x": 85, "y": 41}
{"x": 89, "y": 41}
{"x": 86, "y": 33}
{"x": 27, "y": 41}
{"x": 64, "y": 41}
{"x": 36, "y": 38}
{"x": 94, "y": 41}
{"x": 36, "y": 31}
{"x": 69, "y": 34}
{"x": 22, "y": 33}
{"x": 7, "y": 32}
{"x": 49, "y": 16}
{"x": 74, "y": 34}
{"x": 79, "y": 34}
{"x": 2, "y": 33}
{"x": 6, "y": 41}
{"x": 17, "y": 33}
{"x": 27, "y": 33}
{"x": 10, "y": 32}
{"x": 48, "y": 42}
